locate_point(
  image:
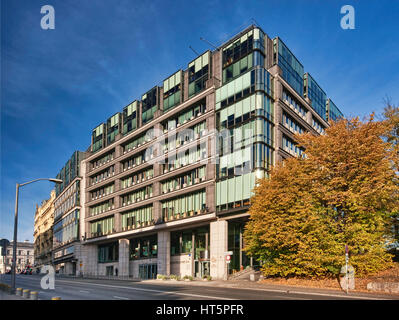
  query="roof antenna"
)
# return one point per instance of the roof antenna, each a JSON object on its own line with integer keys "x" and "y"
{"x": 209, "y": 43}
{"x": 193, "y": 50}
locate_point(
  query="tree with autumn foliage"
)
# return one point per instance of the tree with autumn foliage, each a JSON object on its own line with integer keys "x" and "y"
{"x": 343, "y": 192}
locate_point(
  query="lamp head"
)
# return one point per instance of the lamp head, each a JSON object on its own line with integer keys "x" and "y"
{"x": 59, "y": 181}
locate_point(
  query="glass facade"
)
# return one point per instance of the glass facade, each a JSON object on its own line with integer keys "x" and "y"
{"x": 113, "y": 127}
{"x": 69, "y": 172}
{"x": 316, "y": 94}
{"x": 68, "y": 200}
{"x": 186, "y": 241}
{"x": 243, "y": 54}
{"x": 333, "y": 113}
{"x": 149, "y": 104}
{"x": 130, "y": 118}
{"x": 97, "y": 138}
{"x": 172, "y": 91}
{"x": 198, "y": 74}
{"x": 67, "y": 229}
{"x": 292, "y": 69}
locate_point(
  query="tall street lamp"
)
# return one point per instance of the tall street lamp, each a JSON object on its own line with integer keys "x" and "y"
{"x": 14, "y": 246}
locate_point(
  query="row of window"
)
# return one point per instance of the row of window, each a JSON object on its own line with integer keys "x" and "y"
{"x": 292, "y": 69}
{"x": 104, "y": 159}
{"x": 190, "y": 114}
{"x": 102, "y": 227}
{"x": 316, "y": 94}
{"x": 241, "y": 111}
{"x": 137, "y": 195}
{"x": 185, "y": 136}
{"x": 102, "y": 192}
{"x": 134, "y": 161}
{"x": 67, "y": 229}
{"x": 256, "y": 130}
{"x": 103, "y": 175}
{"x": 188, "y": 179}
{"x": 246, "y": 63}
{"x": 316, "y": 124}
{"x": 234, "y": 192}
{"x": 137, "y": 217}
{"x": 293, "y": 103}
{"x": 187, "y": 157}
{"x": 137, "y": 178}
{"x": 184, "y": 205}
{"x": 102, "y": 207}
{"x": 68, "y": 200}
{"x": 291, "y": 147}
{"x": 291, "y": 124}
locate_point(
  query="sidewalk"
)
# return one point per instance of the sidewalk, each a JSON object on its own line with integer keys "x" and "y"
{"x": 6, "y": 296}
{"x": 250, "y": 285}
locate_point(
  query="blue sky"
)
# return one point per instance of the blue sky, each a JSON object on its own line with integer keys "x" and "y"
{"x": 57, "y": 85}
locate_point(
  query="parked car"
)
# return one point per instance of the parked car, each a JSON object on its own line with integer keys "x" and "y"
{"x": 8, "y": 271}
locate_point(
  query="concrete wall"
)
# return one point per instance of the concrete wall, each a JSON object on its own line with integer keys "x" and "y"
{"x": 181, "y": 265}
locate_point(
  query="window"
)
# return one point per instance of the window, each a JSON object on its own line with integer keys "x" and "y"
{"x": 316, "y": 94}
{"x": 138, "y": 217}
{"x": 113, "y": 124}
{"x": 108, "y": 252}
{"x": 130, "y": 118}
{"x": 149, "y": 104}
{"x": 292, "y": 69}
{"x": 102, "y": 227}
{"x": 172, "y": 91}
{"x": 97, "y": 138}
{"x": 186, "y": 205}
{"x": 198, "y": 74}
{"x": 146, "y": 247}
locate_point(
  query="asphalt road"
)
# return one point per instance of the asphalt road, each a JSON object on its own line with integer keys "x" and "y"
{"x": 89, "y": 289}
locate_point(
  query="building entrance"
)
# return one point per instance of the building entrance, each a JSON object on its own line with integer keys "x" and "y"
{"x": 147, "y": 271}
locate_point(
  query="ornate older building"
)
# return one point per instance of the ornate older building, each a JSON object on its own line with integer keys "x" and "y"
{"x": 43, "y": 231}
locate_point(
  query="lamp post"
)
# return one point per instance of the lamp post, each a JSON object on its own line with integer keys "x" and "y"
{"x": 14, "y": 246}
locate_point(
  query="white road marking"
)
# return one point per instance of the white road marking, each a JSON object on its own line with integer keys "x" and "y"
{"x": 122, "y": 298}
{"x": 253, "y": 289}
{"x": 152, "y": 290}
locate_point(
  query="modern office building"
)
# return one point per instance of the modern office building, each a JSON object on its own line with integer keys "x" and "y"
{"x": 166, "y": 184}
{"x": 43, "y": 231}
{"x": 66, "y": 251}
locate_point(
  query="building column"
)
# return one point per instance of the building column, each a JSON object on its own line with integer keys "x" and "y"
{"x": 218, "y": 247}
{"x": 163, "y": 256}
{"x": 123, "y": 267}
{"x": 89, "y": 258}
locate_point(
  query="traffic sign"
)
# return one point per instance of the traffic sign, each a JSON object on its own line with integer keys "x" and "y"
{"x": 228, "y": 253}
